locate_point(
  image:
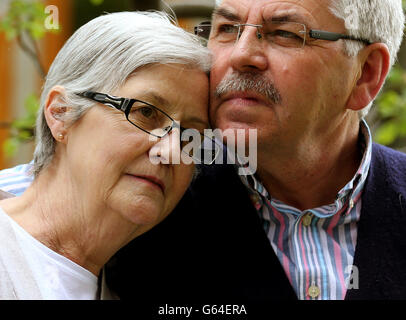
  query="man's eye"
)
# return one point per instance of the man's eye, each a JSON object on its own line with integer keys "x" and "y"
{"x": 227, "y": 28}
{"x": 284, "y": 34}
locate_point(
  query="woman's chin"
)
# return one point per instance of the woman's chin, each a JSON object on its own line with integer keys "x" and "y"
{"x": 146, "y": 212}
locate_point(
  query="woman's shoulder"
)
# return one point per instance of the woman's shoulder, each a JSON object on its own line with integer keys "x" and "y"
{"x": 5, "y": 195}
{"x": 16, "y": 279}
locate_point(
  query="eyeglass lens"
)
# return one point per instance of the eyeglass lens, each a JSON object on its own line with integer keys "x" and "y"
{"x": 199, "y": 147}
{"x": 285, "y": 34}
{"x": 150, "y": 119}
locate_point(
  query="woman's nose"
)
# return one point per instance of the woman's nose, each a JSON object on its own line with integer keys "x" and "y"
{"x": 167, "y": 149}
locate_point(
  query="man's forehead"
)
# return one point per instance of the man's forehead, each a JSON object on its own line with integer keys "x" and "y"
{"x": 249, "y": 3}
{"x": 304, "y": 11}
{"x": 242, "y": 8}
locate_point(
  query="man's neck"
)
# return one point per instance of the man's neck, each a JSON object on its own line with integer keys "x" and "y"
{"x": 310, "y": 178}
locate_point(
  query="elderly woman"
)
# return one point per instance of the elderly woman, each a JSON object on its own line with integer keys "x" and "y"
{"x": 108, "y": 111}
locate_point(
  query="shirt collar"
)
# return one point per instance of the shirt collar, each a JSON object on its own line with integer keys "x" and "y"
{"x": 346, "y": 197}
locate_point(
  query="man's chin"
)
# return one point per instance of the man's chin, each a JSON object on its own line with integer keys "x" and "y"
{"x": 232, "y": 120}
{"x": 234, "y": 125}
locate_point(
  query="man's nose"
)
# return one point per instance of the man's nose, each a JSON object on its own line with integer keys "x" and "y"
{"x": 249, "y": 52}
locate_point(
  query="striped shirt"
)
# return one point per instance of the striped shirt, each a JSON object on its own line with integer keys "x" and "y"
{"x": 16, "y": 180}
{"x": 316, "y": 247}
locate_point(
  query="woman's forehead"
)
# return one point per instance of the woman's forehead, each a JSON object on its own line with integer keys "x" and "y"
{"x": 177, "y": 90}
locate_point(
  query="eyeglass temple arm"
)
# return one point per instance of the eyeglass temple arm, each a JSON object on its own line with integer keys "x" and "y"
{"x": 116, "y": 102}
{"x": 333, "y": 36}
{"x": 198, "y": 28}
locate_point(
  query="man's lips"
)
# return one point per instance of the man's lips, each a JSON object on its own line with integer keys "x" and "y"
{"x": 243, "y": 99}
{"x": 152, "y": 180}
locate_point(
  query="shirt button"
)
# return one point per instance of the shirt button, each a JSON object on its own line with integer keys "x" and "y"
{"x": 255, "y": 198}
{"x": 313, "y": 291}
{"x": 351, "y": 203}
{"x": 307, "y": 219}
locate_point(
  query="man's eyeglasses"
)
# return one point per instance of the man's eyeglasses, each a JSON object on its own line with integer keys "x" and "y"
{"x": 282, "y": 33}
{"x": 158, "y": 123}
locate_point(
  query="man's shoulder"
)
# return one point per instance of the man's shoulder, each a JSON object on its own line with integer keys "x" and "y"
{"x": 216, "y": 178}
{"x": 391, "y": 161}
{"x": 217, "y": 189}
{"x": 389, "y": 153}
{"x": 388, "y": 171}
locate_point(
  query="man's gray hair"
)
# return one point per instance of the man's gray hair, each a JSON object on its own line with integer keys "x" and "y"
{"x": 102, "y": 54}
{"x": 374, "y": 20}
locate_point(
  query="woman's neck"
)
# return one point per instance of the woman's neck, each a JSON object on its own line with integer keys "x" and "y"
{"x": 70, "y": 222}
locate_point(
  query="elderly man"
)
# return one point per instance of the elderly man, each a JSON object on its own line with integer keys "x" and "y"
{"x": 323, "y": 217}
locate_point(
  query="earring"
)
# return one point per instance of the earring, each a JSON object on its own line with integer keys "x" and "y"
{"x": 60, "y": 136}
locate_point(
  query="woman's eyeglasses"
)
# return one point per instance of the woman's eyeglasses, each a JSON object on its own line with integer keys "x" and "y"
{"x": 156, "y": 122}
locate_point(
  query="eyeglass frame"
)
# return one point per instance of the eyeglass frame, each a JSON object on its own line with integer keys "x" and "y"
{"x": 125, "y": 105}
{"x": 314, "y": 34}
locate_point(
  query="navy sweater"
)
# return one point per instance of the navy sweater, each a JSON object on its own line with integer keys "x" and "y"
{"x": 213, "y": 248}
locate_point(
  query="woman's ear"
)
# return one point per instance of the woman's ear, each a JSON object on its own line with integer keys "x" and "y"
{"x": 374, "y": 63}
{"x": 55, "y": 110}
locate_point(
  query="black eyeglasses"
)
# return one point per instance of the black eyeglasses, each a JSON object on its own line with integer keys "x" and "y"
{"x": 282, "y": 33}
{"x": 156, "y": 122}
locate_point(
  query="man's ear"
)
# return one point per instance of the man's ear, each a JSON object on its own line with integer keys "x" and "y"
{"x": 374, "y": 67}
{"x": 54, "y": 111}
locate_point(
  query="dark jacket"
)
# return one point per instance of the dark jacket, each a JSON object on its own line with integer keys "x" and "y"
{"x": 213, "y": 247}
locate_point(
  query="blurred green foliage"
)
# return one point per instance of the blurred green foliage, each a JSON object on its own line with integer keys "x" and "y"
{"x": 391, "y": 109}
{"x": 22, "y": 129}
{"x": 24, "y": 21}
{"x": 24, "y": 16}
{"x": 96, "y": 2}
{"x": 389, "y": 116}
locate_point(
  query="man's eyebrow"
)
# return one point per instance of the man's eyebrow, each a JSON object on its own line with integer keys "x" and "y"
{"x": 287, "y": 18}
{"x": 225, "y": 13}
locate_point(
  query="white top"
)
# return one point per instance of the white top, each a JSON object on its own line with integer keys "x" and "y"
{"x": 57, "y": 277}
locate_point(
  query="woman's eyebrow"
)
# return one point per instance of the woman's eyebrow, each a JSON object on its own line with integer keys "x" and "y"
{"x": 155, "y": 98}
{"x": 225, "y": 13}
{"x": 162, "y": 103}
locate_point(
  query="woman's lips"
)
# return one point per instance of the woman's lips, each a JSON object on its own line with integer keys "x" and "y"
{"x": 153, "y": 181}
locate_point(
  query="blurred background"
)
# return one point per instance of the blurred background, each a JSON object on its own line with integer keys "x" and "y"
{"x": 33, "y": 31}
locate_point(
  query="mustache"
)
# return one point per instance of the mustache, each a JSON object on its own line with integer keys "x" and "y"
{"x": 249, "y": 82}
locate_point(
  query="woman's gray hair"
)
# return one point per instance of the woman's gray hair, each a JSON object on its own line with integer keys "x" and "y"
{"x": 102, "y": 54}
{"x": 375, "y": 20}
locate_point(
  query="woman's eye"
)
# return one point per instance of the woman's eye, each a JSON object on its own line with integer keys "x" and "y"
{"x": 147, "y": 112}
